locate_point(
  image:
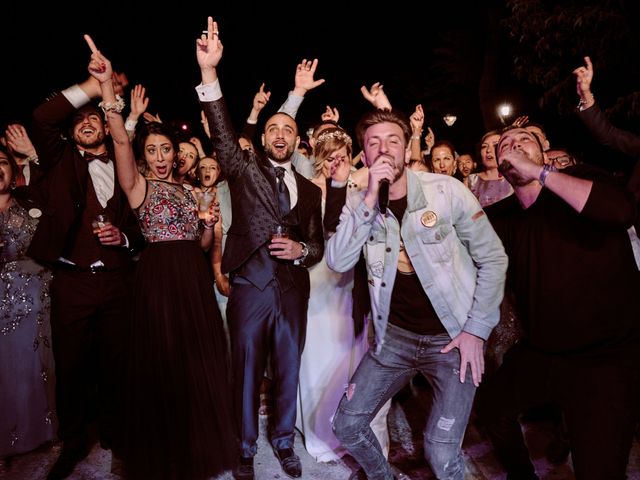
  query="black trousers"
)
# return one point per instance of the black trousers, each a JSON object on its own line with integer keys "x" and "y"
{"x": 263, "y": 322}
{"x": 89, "y": 326}
{"x": 599, "y": 398}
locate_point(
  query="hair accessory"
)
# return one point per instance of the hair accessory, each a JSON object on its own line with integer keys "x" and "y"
{"x": 337, "y": 134}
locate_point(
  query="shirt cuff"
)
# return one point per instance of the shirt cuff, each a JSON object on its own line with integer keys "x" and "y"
{"x": 337, "y": 184}
{"x": 76, "y": 96}
{"x": 209, "y": 92}
{"x": 130, "y": 125}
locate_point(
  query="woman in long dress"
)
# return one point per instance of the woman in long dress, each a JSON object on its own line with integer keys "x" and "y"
{"x": 333, "y": 349}
{"x": 27, "y": 382}
{"x": 178, "y": 414}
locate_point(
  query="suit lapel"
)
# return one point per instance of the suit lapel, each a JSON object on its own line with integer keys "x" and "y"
{"x": 267, "y": 187}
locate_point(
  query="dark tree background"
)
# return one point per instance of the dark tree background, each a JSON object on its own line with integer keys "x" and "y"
{"x": 462, "y": 58}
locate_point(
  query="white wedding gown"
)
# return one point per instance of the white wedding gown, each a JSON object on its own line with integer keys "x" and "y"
{"x": 330, "y": 356}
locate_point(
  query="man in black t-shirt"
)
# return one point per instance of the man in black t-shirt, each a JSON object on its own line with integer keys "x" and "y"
{"x": 575, "y": 282}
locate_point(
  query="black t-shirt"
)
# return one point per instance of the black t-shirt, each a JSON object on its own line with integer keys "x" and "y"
{"x": 574, "y": 277}
{"x": 410, "y": 307}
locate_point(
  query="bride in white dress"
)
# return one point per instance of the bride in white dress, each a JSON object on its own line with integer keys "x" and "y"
{"x": 332, "y": 349}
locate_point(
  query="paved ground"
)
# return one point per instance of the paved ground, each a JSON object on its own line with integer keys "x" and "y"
{"x": 406, "y": 421}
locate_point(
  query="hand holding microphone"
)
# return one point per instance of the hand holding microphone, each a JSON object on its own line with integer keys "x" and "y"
{"x": 381, "y": 172}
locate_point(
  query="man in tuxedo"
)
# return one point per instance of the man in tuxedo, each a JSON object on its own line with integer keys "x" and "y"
{"x": 267, "y": 310}
{"x": 91, "y": 267}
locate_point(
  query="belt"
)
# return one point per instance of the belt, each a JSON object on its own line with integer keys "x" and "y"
{"x": 76, "y": 268}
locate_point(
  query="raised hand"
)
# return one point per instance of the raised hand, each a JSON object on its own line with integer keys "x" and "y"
{"x": 209, "y": 47}
{"x": 417, "y": 120}
{"x": 304, "y": 80}
{"x": 99, "y": 65}
{"x": 521, "y": 121}
{"x": 19, "y": 141}
{"x": 139, "y": 102}
{"x": 376, "y": 96}
{"x": 584, "y": 76}
{"x": 330, "y": 114}
{"x": 261, "y": 99}
{"x": 429, "y": 139}
{"x": 150, "y": 117}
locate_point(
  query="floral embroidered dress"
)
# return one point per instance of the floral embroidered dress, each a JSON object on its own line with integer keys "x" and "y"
{"x": 178, "y": 417}
{"x": 27, "y": 381}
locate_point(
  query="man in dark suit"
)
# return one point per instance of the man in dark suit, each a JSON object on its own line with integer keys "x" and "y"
{"x": 267, "y": 308}
{"x": 91, "y": 265}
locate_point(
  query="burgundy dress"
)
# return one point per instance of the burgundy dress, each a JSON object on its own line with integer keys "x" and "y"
{"x": 178, "y": 413}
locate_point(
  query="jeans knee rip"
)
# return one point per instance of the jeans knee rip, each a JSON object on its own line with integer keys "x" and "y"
{"x": 350, "y": 390}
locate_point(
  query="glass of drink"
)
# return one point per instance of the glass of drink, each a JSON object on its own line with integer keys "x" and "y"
{"x": 204, "y": 199}
{"x": 279, "y": 231}
{"x": 100, "y": 221}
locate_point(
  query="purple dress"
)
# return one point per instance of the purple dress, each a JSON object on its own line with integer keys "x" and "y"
{"x": 27, "y": 380}
{"x": 178, "y": 414}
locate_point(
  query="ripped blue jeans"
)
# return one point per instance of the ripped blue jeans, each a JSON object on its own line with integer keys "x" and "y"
{"x": 380, "y": 376}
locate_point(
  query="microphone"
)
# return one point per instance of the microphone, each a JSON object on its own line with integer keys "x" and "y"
{"x": 383, "y": 195}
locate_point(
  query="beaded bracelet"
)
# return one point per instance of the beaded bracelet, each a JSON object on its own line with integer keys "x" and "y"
{"x": 116, "y": 106}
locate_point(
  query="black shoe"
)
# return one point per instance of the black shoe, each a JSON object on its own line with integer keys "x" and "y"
{"x": 289, "y": 462}
{"x": 358, "y": 475}
{"x": 244, "y": 471}
{"x": 67, "y": 461}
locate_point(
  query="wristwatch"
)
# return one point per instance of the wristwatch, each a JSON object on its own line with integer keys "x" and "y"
{"x": 303, "y": 254}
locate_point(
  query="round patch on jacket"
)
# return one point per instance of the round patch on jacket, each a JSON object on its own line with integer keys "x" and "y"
{"x": 429, "y": 218}
{"x": 35, "y": 213}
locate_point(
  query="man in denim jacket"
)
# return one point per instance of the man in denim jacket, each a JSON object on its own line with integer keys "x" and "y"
{"x": 436, "y": 272}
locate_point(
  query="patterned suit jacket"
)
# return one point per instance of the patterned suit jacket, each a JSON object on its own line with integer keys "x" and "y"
{"x": 254, "y": 201}
{"x": 63, "y": 190}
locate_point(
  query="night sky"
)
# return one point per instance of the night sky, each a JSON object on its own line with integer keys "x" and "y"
{"x": 435, "y": 58}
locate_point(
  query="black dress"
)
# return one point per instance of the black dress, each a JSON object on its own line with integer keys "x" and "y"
{"x": 177, "y": 411}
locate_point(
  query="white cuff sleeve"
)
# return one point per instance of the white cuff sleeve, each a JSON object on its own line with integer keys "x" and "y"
{"x": 209, "y": 92}
{"x": 76, "y": 96}
{"x": 130, "y": 125}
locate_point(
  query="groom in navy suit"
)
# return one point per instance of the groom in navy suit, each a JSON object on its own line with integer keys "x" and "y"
{"x": 267, "y": 308}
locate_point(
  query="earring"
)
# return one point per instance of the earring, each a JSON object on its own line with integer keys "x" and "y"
{"x": 175, "y": 164}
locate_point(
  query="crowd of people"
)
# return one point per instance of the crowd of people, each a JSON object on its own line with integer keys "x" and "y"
{"x": 157, "y": 289}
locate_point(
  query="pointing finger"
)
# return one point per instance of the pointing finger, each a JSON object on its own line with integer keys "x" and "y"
{"x": 91, "y": 44}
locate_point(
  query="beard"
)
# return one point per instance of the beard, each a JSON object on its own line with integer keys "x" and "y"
{"x": 86, "y": 143}
{"x": 399, "y": 169}
{"x": 277, "y": 156}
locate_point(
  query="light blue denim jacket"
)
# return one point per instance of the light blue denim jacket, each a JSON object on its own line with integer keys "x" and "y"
{"x": 458, "y": 257}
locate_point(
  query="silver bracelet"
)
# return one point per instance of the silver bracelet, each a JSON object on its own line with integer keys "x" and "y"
{"x": 546, "y": 170}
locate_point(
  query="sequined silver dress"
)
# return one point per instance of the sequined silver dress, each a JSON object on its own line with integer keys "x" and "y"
{"x": 27, "y": 381}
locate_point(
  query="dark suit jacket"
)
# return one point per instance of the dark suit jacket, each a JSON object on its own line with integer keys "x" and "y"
{"x": 625, "y": 142}
{"x": 254, "y": 201}
{"x": 63, "y": 188}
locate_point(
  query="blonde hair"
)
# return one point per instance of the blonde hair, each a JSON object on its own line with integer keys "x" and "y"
{"x": 329, "y": 141}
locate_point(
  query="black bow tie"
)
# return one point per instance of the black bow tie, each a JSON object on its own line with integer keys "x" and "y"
{"x": 103, "y": 157}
